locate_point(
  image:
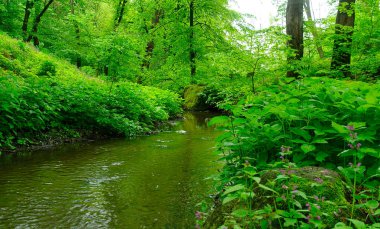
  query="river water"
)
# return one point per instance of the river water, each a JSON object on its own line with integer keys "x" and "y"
{"x": 148, "y": 182}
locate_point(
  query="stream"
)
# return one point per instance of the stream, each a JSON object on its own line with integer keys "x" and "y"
{"x": 147, "y": 182}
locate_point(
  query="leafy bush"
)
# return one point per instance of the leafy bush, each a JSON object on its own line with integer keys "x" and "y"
{"x": 32, "y": 106}
{"x": 309, "y": 117}
{"x": 47, "y": 69}
{"x": 315, "y": 122}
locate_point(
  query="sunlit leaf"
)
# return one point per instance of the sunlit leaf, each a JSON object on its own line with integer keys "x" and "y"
{"x": 358, "y": 224}
{"x": 306, "y": 148}
{"x": 233, "y": 189}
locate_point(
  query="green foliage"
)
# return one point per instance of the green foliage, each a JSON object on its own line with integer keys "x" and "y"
{"x": 33, "y": 106}
{"x": 47, "y": 69}
{"x": 307, "y": 116}
{"x": 311, "y": 121}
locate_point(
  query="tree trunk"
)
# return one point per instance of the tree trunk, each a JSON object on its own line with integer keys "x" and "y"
{"x": 191, "y": 42}
{"x": 120, "y": 12}
{"x": 344, "y": 28}
{"x": 36, "y": 23}
{"x": 294, "y": 28}
{"x": 77, "y": 34}
{"x": 313, "y": 29}
{"x": 28, "y": 7}
{"x": 150, "y": 45}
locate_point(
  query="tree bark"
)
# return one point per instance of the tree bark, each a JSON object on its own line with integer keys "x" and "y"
{"x": 120, "y": 12}
{"x": 192, "y": 55}
{"x": 150, "y": 45}
{"x": 344, "y": 29}
{"x": 77, "y": 34}
{"x": 294, "y": 28}
{"x": 313, "y": 29}
{"x": 36, "y": 23}
{"x": 28, "y": 7}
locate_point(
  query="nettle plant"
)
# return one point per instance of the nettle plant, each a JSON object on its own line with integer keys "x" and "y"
{"x": 311, "y": 121}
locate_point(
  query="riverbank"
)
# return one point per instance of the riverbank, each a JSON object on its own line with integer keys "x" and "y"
{"x": 46, "y": 99}
{"x": 302, "y": 155}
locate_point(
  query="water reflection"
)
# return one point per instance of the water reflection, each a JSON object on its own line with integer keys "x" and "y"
{"x": 148, "y": 182}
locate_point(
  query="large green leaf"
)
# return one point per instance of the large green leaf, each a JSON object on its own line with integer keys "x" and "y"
{"x": 306, "y": 148}
{"x": 290, "y": 222}
{"x": 358, "y": 224}
{"x": 219, "y": 120}
{"x": 233, "y": 189}
{"x": 339, "y": 128}
{"x": 303, "y": 133}
{"x": 240, "y": 213}
{"x": 228, "y": 199}
{"x": 372, "y": 204}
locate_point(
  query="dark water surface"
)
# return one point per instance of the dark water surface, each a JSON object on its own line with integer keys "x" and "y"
{"x": 148, "y": 182}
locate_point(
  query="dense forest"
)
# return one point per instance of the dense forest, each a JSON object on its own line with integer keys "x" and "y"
{"x": 300, "y": 98}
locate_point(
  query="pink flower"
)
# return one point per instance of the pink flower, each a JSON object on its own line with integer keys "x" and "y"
{"x": 350, "y": 128}
{"x": 354, "y": 135}
{"x": 198, "y": 215}
{"x": 285, "y": 149}
{"x": 308, "y": 218}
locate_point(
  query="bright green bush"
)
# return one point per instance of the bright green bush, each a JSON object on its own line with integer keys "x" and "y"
{"x": 310, "y": 118}
{"x": 320, "y": 122}
{"x": 31, "y": 106}
{"x": 47, "y": 69}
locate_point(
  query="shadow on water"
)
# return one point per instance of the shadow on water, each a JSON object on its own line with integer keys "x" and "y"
{"x": 148, "y": 182}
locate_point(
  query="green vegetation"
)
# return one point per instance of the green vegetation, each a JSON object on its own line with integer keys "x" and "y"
{"x": 43, "y": 98}
{"x": 283, "y": 128}
{"x": 300, "y": 95}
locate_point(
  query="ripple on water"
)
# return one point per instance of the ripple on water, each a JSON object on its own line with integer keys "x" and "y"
{"x": 150, "y": 182}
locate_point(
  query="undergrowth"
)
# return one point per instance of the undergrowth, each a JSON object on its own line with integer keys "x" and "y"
{"x": 285, "y": 129}
{"x": 41, "y": 94}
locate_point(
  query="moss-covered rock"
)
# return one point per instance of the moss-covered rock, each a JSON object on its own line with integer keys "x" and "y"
{"x": 195, "y": 99}
{"x": 325, "y": 198}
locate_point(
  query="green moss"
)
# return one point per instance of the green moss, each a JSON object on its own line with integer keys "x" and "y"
{"x": 194, "y": 99}
{"x": 322, "y": 187}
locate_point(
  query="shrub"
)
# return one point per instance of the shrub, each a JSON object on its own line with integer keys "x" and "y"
{"x": 47, "y": 69}
{"x": 70, "y": 102}
{"x": 314, "y": 122}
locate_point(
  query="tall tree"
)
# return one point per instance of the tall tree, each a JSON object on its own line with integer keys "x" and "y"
{"x": 120, "y": 12}
{"x": 344, "y": 28}
{"x": 294, "y": 28}
{"x": 191, "y": 41}
{"x": 28, "y": 7}
{"x": 150, "y": 45}
{"x": 77, "y": 33}
{"x": 313, "y": 29}
{"x": 36, "y": 23}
